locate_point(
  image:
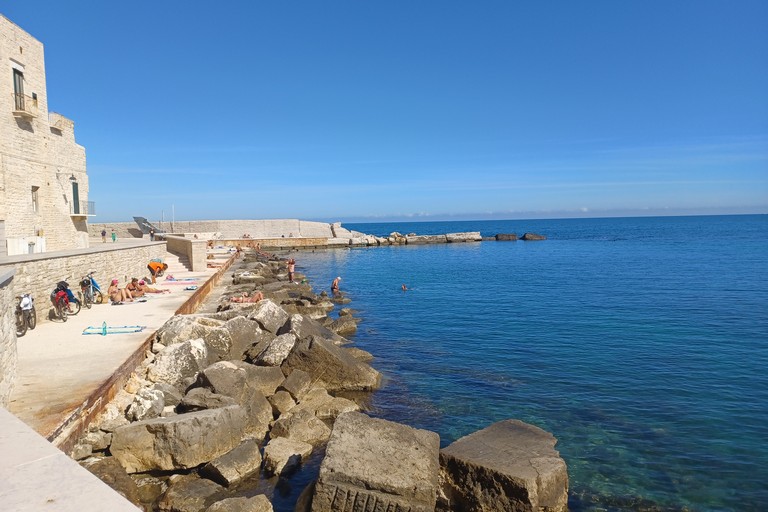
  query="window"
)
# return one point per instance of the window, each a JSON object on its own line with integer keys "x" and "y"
{"x": 35, "y": 204}
{"x": 18, "y": 88}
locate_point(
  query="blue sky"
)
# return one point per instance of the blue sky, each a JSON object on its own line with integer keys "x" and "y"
{"x": 418, "y": 110}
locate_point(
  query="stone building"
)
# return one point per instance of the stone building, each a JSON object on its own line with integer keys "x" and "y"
{"x": 43, "y": 182}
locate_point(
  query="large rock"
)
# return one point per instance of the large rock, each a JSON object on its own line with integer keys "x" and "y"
{"x": 509, "y": 466}
{"x": 181, "y": 328}
{"x": 269, "y": 315}
{"x": 330, "y": 366}
{"x": 281, "y": 402}
{"x": 114, "y": 475}
{"x": 344, "y": 326}
{"x": 189, "y": 493}
{"x": 301, "y": 425}
{"x": 506, "y": 237}
{"x": 198, "y": 399}
{"x": 147, "y": 404}
{"x": 258, "y": 503}
{"x": 178, "y": 442}
{"x": 244, "y": 333}
{"x": 374, "y": 464}
{"x": 532, "y": 236}
{"x": 470, "y": 236}
{"x": 324, "y": 406}
{"x": 276, "y": 350}
{"x": 283, "y": 455}
{"x": 426, "y": 239}
{"x": 297, "y": 383}
{"x": 178, "y": 362}
{"x": 234, "y": 466}
{"x": 304, "y": 327}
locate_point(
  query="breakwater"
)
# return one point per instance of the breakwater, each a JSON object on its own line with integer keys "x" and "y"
{"x": 261, "y": 376}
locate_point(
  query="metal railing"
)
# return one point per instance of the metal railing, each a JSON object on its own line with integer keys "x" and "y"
{"x": 82, "y": 208}
{"x": 24, "y": 104}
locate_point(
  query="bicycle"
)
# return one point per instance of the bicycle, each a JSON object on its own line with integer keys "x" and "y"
{"x": 26, "y": 315}
{"x": 91, "y": 291}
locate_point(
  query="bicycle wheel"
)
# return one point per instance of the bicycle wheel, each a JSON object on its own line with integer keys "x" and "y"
{"x": 32, "y": 318}
{"x": 61, "y": 310}
{"x": 74, "y": 307}
{"x": 98, "y": 298}
{"x": 87, "y": 298}
{"x": 21, "y": 324}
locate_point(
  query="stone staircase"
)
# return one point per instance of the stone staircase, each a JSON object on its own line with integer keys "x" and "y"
{"x": 177, "y": 263}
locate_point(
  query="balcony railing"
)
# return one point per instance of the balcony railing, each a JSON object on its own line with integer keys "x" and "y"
{"x": 82, "y": 209}
{"x": 24, "y": 106}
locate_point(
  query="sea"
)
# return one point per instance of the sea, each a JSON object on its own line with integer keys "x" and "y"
{"x": 641, "y": 344}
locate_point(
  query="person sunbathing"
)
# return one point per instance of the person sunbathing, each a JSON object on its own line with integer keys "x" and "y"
{"x": 118, "y": 295}
{"x": 256, "y": 297}
{"x": 134, "y": 287}
{"x": 145, "y": 288}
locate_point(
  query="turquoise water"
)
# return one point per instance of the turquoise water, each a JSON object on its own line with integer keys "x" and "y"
{"x": 640, "y": 343}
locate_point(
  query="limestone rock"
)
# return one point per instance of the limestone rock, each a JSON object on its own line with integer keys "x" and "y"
{"x": 532, "y": 236}
{"x": 171, "y": 394}
{"x": 243, "y": 333}
{"x": 283, "y": 455}
{"x": 470, "y": 236}
{"x": 359, "y": 354}
{"x": 425, "y": 239}
{"x": 112, "y": 473}
{"x": 331, "y": 367}
{"x": 179, "y": 361}
{"x": 189, "y": 493}
{"x": 325, "y": 406}
{"x": 385, "y": 465}
{"x": 304, "y": 327}
{"x": 178, "y": 442}
{"x": 147, "y": 404}
{"x": 81, "y": 451}
{"x": 303, "y": 426}
{"x": 198, "y": 399}
{"x": 506, "y": 237}
{"x": 298, "y": 383}
{"x": 281, "y": 402}
{"x": 269, "y": 315}
{"x": 276, "y": 350}
{"x": 344, "y": 326}
{"x": 258, "y": 503}
{"x": 509, "y": 466}
{"x": 234, "y": 466}
{"x": 98, "y": 440}
{"x": 182, "y": 328}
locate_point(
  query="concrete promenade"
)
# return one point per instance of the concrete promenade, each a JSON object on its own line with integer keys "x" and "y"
{"x": 66, "y": 377}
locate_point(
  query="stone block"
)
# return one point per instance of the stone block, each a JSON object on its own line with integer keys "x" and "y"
{"x": 234, "y": 466}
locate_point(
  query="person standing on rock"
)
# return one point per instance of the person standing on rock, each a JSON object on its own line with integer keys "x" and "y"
{"x": 291, "y": 268}
{"x": 335, "y": 286}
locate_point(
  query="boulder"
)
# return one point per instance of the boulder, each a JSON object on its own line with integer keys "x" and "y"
{"x": 506, "y": 237}
{"x": 470, "y": 236}
{"x": 276, "y": 350}
{"x": 304, "y": 327}
{"x": 147, "y": 404}
{"x": 171, "y": 394}
{"x": 243, "y": 332}
{"x": 330, "y": 366}
{"x": 189, "y": 493}
{"x": 283, "y": 455}
{"x": 425, "y": 239}
{"x": 81, "y": 451}
{"x": 301, "y": 425}
{"x": 234, "y": 466}
{"x": 181, "y": 328}
{"x": 325, "y": 406}
{"x": 344, "y": 326}
{"x": 269, "y": 315}
{"x": 178, "y": 362}
{"x": 532, "y": 236}
{"x": 98, "y": 440}
{"x": 378, "y": 465}
{"x": 509, "y": 466}
{"x": 258, "y": 503}
{"x": 264, "y": 378}
{"x": 198, "y": 399}
{"x": 359, "y": 354}
{"x": 177, "y": 442}
{"x": 259, "y": 344}
{"x": 114, "y": 475}
{"x": 281, "y": 402}
{"x": 298, "y": 383}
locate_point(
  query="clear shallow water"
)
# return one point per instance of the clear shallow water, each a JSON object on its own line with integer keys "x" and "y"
{"x": 641, "y": 344}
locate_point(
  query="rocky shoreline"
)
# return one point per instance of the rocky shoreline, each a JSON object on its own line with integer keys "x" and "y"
{"x": 249, "y": 391}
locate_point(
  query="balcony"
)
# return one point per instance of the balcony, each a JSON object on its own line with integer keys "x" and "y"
{"x": 82, "y": 209}
{"x": 24, "y": 106}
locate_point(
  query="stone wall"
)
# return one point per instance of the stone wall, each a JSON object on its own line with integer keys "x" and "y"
{"x": 38, "y": 156}
{"x": 195, "y": 251}
{"x": 8, "y": 354}
{"x": 269, "y": 228}
{"x": 39, "y": 274}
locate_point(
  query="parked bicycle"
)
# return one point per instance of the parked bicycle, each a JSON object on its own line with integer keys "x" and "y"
{"x": 64, "y": 301}
{"x": 90, "y": 290}
{"x": 26, "y": 316}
